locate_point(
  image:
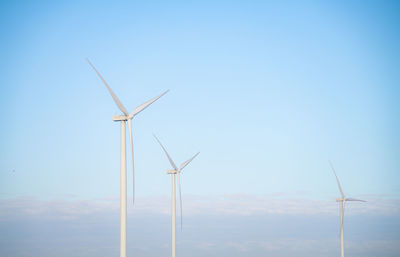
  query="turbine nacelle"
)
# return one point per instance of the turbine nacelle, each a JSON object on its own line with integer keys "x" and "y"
{"x": 123, "y": 117}
{"x": 120, "y": 117}
{"x": 172, "y": 172}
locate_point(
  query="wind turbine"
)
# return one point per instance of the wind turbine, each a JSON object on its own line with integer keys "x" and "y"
{"x": 123, "y": 118}
{"x": 342, "y": 202}
{"x": 176, "y": 171}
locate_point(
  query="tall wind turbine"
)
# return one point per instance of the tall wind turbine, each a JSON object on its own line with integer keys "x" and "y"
{"x": 176, "y": 171}
{"x": 123, "y": 118}
{"x": 342, "y": 202}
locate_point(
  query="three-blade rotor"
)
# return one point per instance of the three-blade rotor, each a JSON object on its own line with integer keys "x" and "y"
{"x": 340, "y": 188}
{"x": 177, "y": 170}
{"x": 128, "y": 116}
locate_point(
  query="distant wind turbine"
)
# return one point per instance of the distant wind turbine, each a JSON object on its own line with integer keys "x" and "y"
{"x": 342, "y": 202}
{"x": 123, "y": 118}
{"x": 176, "y": 171}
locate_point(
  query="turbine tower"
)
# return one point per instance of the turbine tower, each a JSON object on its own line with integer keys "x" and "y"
{"x": 176, "y": 171}
{"x": 123, "y": 118}
{"x": 342, "y": 202}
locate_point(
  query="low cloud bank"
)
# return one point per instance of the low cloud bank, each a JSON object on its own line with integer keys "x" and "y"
{"x": 226, "y": 225}
{"x": 239, "y": 204}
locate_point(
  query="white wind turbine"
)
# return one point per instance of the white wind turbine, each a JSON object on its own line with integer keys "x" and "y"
{"x": 342, "y": 202}
{"x": 176, "y": 171}
{"x": 123, "y": 118}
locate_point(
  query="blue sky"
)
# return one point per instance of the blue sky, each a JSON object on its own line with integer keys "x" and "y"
{"x": 268, "y": 92}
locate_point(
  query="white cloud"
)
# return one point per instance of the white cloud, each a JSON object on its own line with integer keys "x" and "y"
{"x": 237, "y": 204}
{"x": 225, "y": 225}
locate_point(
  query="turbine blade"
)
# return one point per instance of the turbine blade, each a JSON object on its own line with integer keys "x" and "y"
{"x": 133, "y": 163}
{"x": 180, "y": 197}
{"x": 146, "y": 104}
{"x": 165, "y": 151}
{"x": 183, "y": 165}
{"x": 337, "y": 180}
{"x": 354, "y": 199}
{"x": 116, "y": 100}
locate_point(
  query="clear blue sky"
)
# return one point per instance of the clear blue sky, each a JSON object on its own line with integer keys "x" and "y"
{"x": 268, "y": 92}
